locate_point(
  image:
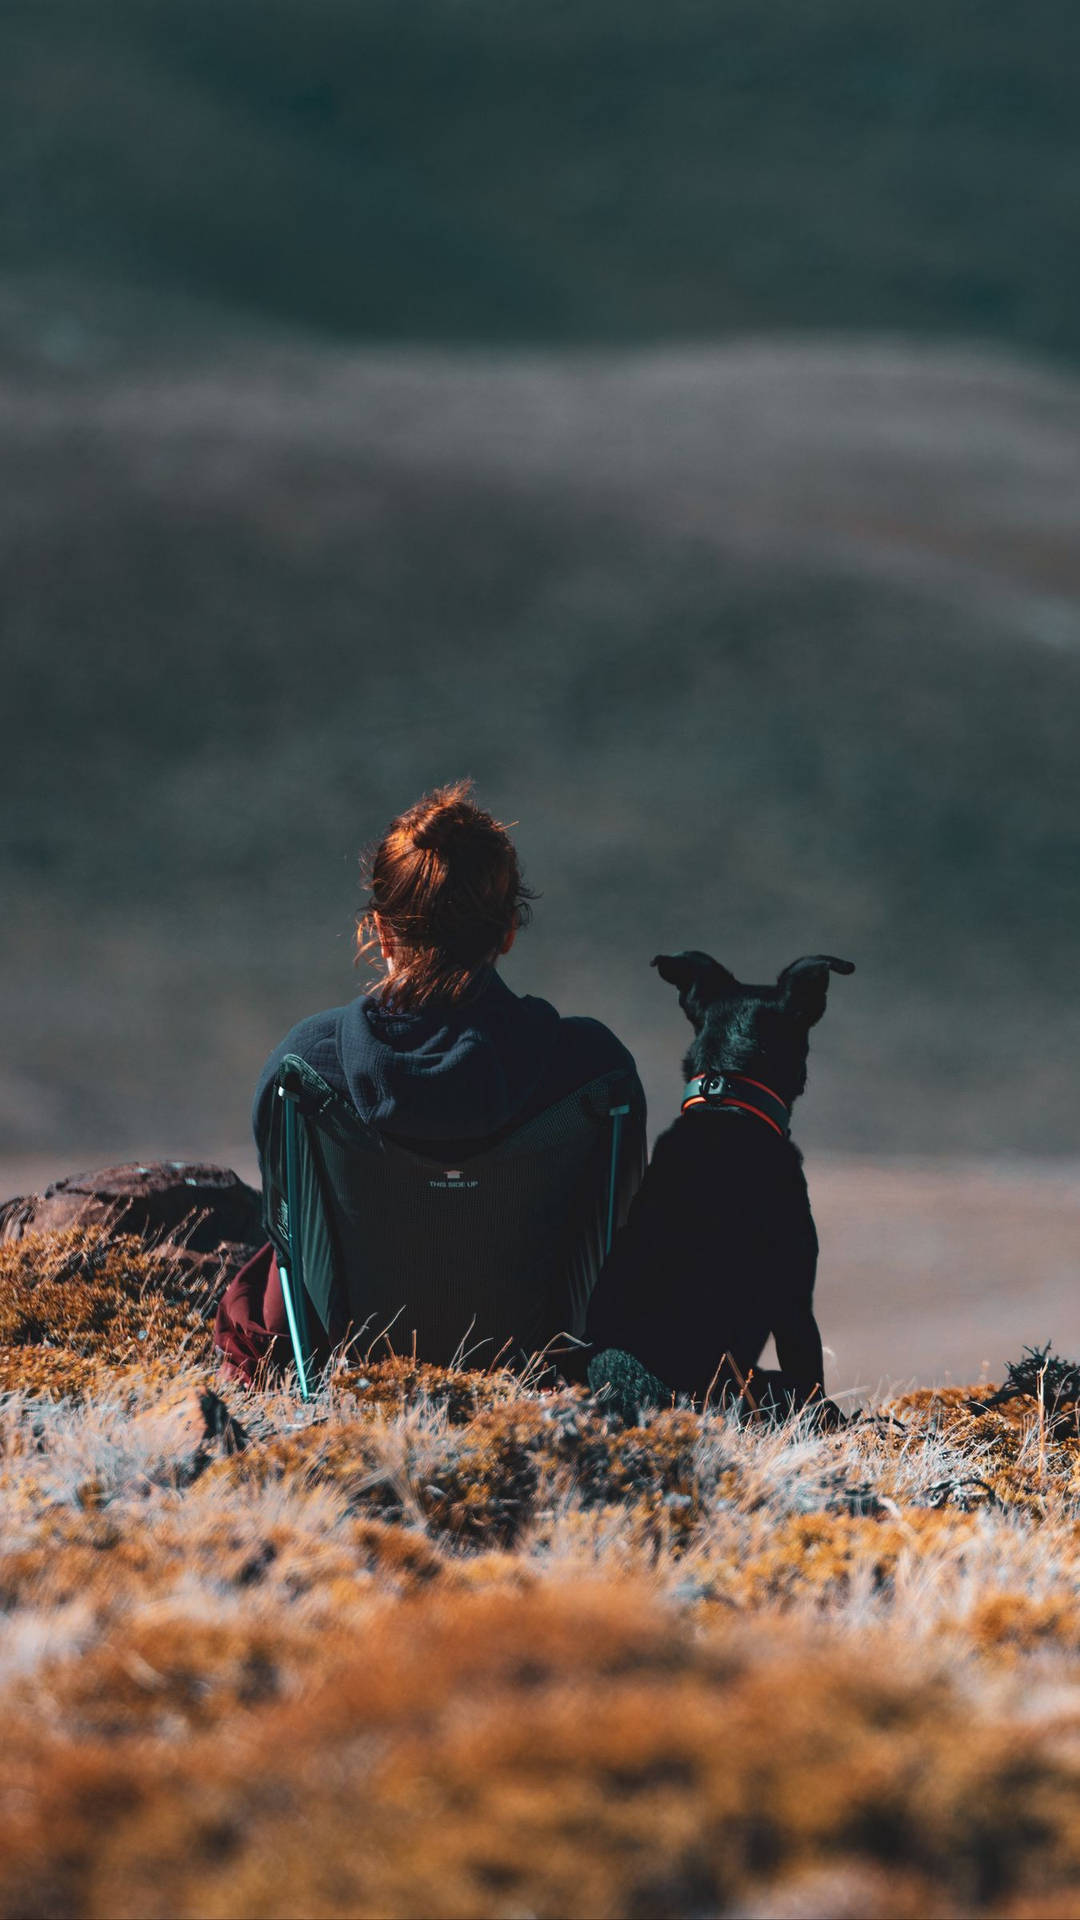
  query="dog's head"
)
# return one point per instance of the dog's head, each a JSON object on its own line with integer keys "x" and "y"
{"x": 761, "y": 1031}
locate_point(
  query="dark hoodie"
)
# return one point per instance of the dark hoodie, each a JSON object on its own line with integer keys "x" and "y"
{"x": 458, "y": 1073}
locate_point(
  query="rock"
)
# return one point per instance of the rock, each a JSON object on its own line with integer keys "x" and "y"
{"x": 213, "y": 1215}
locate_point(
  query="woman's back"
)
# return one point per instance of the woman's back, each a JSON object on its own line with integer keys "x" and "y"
{"x": 451, "y": 1072}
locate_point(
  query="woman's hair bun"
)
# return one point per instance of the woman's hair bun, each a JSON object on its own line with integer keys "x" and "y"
{"x": 435, "y": 834}
{"x": 444, "y": 919}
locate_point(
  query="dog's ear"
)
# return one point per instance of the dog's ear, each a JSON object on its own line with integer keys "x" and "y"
{"x": 699, "y": 978}
{"x": 805, "y": 984}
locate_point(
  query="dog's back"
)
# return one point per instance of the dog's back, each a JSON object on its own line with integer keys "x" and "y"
{"x": 718, "y": 1252}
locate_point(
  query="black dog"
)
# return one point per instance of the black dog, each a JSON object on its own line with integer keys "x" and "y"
{"x": 719, "y": 1249}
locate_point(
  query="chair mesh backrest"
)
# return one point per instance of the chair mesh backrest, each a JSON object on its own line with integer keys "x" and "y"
{"x": 489, "y": 1256}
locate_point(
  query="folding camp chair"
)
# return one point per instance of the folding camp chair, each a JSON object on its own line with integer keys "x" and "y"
{"x": 479, "y": 1256}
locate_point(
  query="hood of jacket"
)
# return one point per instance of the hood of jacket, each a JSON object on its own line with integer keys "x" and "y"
{"x": 448, "y": 1072}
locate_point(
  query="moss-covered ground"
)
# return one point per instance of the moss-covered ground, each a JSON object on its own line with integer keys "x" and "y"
{"x": 455, "y": 1644}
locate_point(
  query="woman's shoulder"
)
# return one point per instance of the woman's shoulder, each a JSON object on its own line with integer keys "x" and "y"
{"x": 592, "y": 1041}
{"x": 574, "y": 1047}
{"x": 315, "y": 1040}
{"x": 584, "y": 1050}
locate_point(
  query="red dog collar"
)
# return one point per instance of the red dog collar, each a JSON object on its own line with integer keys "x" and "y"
{"x": 734, "y": 1090}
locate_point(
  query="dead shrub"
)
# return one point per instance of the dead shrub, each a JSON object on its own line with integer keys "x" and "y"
{"x": 100, "y": 1297}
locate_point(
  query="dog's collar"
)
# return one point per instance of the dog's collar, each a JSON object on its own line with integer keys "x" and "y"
{"x": 738, "y": 1090}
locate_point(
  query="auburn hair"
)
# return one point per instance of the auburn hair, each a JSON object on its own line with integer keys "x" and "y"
{"x": 446, "y": 884}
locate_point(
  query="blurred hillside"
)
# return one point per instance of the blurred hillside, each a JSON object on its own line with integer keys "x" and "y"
{"x": 768, "y": 649}
{"x": 580, "y": 171}
{"x": 354, "y": 436}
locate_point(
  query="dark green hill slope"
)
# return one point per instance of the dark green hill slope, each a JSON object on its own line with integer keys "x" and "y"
{"x": 767, "y": 650}
{"x": 583, "y": 170}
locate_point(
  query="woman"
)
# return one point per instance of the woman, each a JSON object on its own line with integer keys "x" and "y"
{"x": 439, "y": 1054}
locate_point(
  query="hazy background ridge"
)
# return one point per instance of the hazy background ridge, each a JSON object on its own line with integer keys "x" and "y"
{"x": 666, "y": 415}
{"x": 771, "y": 649}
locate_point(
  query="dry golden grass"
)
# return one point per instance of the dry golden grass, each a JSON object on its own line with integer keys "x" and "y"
{"x": 441, "y": 1643}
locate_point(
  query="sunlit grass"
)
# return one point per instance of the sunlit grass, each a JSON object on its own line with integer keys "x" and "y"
{"x": 448, "y": 1643}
